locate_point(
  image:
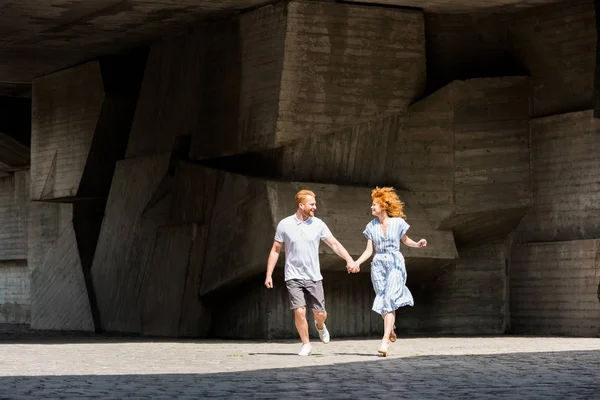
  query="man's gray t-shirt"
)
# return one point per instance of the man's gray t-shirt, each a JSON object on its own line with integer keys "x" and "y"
{"x": 301, "y": 240}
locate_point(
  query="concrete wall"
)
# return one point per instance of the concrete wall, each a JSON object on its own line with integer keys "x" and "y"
{"x": 468, "y": 297}
{"x": 136, "y": 236}
{"x": 489, "y": 52}
{"x": 15, "y": 298}
{"x": 80, "y": 125}
{"x": 14, "y": 195}
{"x": 565, "y": 182}
{"x": 555, "y": 275}
{"x": 557, "y": 45}
{"x": 345, "y": 64}
{"x": 464, "y": 298}
{"x": 553, "y": 288}
{"x": 66, "y": 108}
{"x": 147, "y": 265}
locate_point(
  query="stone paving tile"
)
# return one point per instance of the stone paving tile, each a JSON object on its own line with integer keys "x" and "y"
{"x": 418, "y": 368}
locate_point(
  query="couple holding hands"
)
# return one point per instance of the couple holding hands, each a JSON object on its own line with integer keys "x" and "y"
{"x": 300, "y": 234}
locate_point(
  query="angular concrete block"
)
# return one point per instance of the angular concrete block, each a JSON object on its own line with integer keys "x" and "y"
{"x": 337, "y": 75}
{"x": 272, "y": 83}
{"x": 565, "y": 167}
{"x": 80, "y": 125}
{"x": 150, "y": 253}
{"x": 553, "y": 288}
{"x": 126, "y": 242}
{"x": 492, "y": 176}
{"x": 421, "y": 159}
{"x": 165, "y": 280}
{"x": 462, "y": 154}
{"x": 14, "y": 156}
{"x": 353, "y": 156}
{"x": 58, "y": 290}
{"x": 557, "y": 45}
{"x": 65, "y": 111}
{"x": 466, "y": 298}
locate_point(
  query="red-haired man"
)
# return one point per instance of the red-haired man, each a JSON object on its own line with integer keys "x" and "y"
{"x": 301, "y": 233}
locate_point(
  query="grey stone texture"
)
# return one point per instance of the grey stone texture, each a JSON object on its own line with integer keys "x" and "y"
{"x": 150, "y": 253}
{"x": 432, "y": 368}
{"x": 553, "y": 288}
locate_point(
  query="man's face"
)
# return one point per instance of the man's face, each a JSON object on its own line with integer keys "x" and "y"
{"x": 309, "y": 206}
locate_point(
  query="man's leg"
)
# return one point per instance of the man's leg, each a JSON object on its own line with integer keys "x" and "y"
{"x": 301, "y": 324}
{"x": 315, "y": 298}
{"x": 320, "y": 317}
{"x": 295, "y": 289}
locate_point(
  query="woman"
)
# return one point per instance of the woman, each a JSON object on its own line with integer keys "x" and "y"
{"x": 388, "y": 272}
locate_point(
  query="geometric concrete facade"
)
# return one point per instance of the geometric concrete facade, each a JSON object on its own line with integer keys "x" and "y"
{"x": 291, "y": 70}
{"x": 148, "y": 262}
{"x": 462, "y": 153}
{"x": 80, "y": 125}
{"x": 555, "y": 276}
{"x": 61, "y": 136}
{"x": 158, "y": 177}
{"x": 561, "y": 61}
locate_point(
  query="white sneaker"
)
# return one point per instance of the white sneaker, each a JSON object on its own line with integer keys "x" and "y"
{"x": 323, "y": 333}
{"x": 306, "y": 350}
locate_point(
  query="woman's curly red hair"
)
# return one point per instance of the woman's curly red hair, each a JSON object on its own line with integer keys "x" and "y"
{"x": 387, "y": 198}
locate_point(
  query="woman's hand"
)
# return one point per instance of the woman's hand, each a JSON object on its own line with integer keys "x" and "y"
{"x": 422, "y": 243}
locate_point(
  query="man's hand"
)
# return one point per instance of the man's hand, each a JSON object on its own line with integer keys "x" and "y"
{"x": 269, "y": 282}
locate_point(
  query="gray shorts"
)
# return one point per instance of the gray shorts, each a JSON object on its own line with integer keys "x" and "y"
{"x": 304, "y": 293}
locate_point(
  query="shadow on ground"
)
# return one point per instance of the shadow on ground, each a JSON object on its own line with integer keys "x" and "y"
{"x": 551, "y": 375}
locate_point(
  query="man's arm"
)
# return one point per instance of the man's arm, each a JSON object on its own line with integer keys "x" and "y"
{"x": 338, "y": 249}
{"x": 271, "y": 262}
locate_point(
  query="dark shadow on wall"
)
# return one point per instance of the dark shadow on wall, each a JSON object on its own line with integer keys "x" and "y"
{"x": 531, "y": 375}
{"x": 466, "y": 46}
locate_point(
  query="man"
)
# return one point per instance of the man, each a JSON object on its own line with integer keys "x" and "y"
{"x": 301, "y": 233}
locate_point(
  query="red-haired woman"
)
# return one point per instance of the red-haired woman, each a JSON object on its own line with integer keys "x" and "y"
{"x": 388, "y": 272}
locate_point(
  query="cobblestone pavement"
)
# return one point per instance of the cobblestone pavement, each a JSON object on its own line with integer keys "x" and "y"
{"x": 503, "y": 367}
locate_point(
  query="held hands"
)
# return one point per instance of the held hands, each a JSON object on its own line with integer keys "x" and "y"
{"x": 422, "y": 243}
{"x": 353, "y": 267}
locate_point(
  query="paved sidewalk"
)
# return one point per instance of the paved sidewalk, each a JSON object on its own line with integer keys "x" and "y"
{"x": 417, "y": 368}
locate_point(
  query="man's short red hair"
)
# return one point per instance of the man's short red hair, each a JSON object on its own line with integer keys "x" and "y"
{"x": 302, "y": 195}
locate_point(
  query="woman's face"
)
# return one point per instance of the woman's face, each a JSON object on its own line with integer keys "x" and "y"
{"x": 376, "y": 209}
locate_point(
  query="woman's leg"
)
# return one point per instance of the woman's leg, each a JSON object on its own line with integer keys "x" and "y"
{"x": 388, "y": 324}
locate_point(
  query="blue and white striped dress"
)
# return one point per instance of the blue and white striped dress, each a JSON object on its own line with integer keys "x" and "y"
{"x": 388, "y": 272}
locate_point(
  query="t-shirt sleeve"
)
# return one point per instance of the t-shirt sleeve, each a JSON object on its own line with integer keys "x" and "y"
{"x": 367, "y": 232}
{"x": 325, "y": 232}
{"x": 403, "y": 227}
{"x": 279, "y": 234}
